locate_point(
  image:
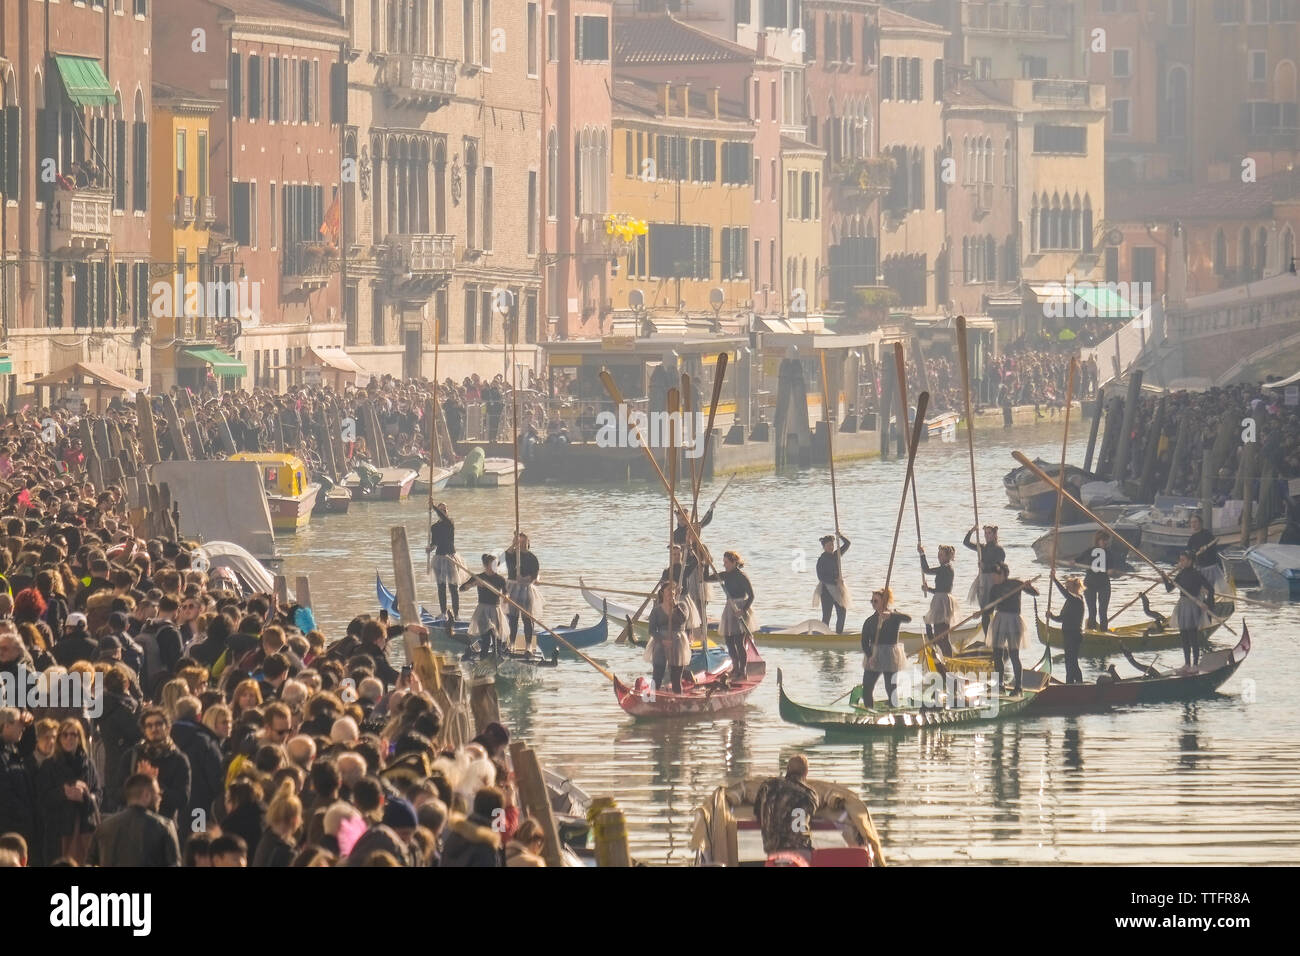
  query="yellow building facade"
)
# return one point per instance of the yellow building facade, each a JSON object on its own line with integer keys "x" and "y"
{"x": 182, "y": 211}
{"x": 683, "y": 164}
{"x": 801, "y": 223}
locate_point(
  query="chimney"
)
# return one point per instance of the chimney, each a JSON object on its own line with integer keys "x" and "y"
{"x": 684, "y": 94}
{"x": 668, "y": 99}
{"x": 717, "y": 103}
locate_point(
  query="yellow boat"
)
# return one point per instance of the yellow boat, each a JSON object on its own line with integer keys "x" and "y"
{"x": 289, "y": 494}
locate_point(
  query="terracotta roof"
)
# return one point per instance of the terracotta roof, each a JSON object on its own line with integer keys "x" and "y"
{"x": 1230, "y": 199}
{"x": 891, "y": 19}
{"x": 633, "y": 96}
{"x": 975, "y": 94}
{"x": 663, "y": 39}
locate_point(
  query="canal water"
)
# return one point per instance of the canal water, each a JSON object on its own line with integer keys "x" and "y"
{"x": 1210, "y": 782}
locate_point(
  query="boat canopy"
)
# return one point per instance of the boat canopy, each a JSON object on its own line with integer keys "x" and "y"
{"x": 282, "y": 475}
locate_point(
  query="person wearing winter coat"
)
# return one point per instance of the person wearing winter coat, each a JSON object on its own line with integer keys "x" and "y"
{"x": 69, "y": 792}
{"x": 472, "y": 840}
{"x": 119, "y": 729}
{"x": 526, "y": 847}
{"x": 157, "y": 756}
{"x": 202, "y": 747}
{"x": 138, "y": 835}
{"x": 17, "y": 800}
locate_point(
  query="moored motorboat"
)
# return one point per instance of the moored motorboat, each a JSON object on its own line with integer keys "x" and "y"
{"x": 1277, "y": 568}
{"x": 437, "y": 475}
{"x": 1076, "y": 539}
{"x": 841, "y": 829}
{"x": 1153, "y": 686}
{"x": 479, "y": 471}
{"x": 290, "y": 496}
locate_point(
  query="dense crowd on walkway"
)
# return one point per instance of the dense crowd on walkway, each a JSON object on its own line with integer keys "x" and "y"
{"x": 218, "y": 727}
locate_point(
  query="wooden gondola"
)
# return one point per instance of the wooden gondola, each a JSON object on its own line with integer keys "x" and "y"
{"x": 1135, "y": 637}
{"x": 1154, "y": 686}
{"x": 842, "y": 831}
{"x": 810, "y": 634}
{"x": 856, "y": 720}
{"x": 707, "y": 693}
{"x": 458, "y": 636}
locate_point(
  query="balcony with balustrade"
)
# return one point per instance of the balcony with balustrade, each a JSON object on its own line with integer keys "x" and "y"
{"x": 418, "y": 80}
{"x": 418, "y": 263}
{"x": 307, "y": 266}
{"x": 81, "y": 221}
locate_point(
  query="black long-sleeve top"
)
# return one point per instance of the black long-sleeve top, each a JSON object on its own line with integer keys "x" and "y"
{"x": 528, "y": 565}
{"x": 1191, "y": 581}
{"x": 991, "y": 555}
{"x": 828, "y": 563}
{"x": 736, "y": 584}
{"x": 1100, "y": 580}
{"x": 442, "y": 536}
{"x": 1071, "y": 615}
{"x": 874, "y": 633}
{"x": 943, "y": 574}
{"x": 680, "y": 534}
{"x": 663, "y": 624}
{"x": 676, "y": 573}
{"x": 487, "y": 595}
{"x": 1007, "y": 595}
{"x": 1207, "y": 552}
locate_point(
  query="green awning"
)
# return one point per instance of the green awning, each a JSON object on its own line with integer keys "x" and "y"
{"x": 6, "y": 365}
{"x": 85, "y": 81}
{"x": 1105, "y": 302}
{"x": 224, "y": 365}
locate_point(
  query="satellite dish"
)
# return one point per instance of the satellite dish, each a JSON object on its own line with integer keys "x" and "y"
{"x": 717, "y": 297}
{"x": 636, "y": 299}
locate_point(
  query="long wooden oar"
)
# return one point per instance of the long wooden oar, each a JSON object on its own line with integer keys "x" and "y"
{"x": 1042, "y": 476}
{"x": 583, "y": 587}
{"x": 964, "y": 357}
{"x": 614, "y": 393}
{"x": 505, "y": 597}
{"x": 921, "y": 403}
{"x": 952, "y": 627}
{"x": 1065, "y": 440}
{"x": 688, "y": 415}
{"x": 900, "y": 369}
{"x": 719, "y": 372}
{"x": 832, "y": 422}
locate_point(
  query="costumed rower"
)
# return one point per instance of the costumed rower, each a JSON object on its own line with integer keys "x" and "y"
{"x": 1070, "y": 618}
{"x": 1008, "y": 628}
{"x": 990, "y": 556}
{"x": 670, "y": 648}
{"x": 677, "y": 573}
{"x": 488, "y": 620}
{"x": 1188, "y": 615}
{"x": 943, "y": 606}
{"x": 442, "y": 553}
{"x": 1203, "y": 545}
{"x": 831, "y": 590}
{"x": 694, "y": 585}
{"x": 738, "y": 618}
{"x": 522, "y": 568}
{"x": 884, "y": 654}
{"x": 1103, "y": 561}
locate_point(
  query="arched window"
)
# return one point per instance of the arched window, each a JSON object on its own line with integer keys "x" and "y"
{"x": 832, "y": 143}
{"x": 1087, "y": 223}
{"x": 1008, "y": 164}
{"x": 1076, "y": 224}
{"x": 965, "y": 259}
{"x": 1037, "y": 226}
{"x": 1288, "y": 250}
{"x": 1284, "y": 82}
{"x": 968, "y": 159}
{"x": 1244, "y": 267}
{"x": 1220, "y": 253}
{"x": 140, "y": 156}
{"x": 810, "y": 118}
{"x": 988, "y": 161}
{"x": 1054, "y": 224}
{"x": 990, "y": 259}
{"x": 1261, "y": 251}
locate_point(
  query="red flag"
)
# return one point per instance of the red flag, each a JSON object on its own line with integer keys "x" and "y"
{"x": 332, "y": 226}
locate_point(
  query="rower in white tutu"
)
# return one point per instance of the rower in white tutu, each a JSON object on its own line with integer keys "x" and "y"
{"x": 990, "y": 556}
{"x": 831, "y": 592}
{"x": 680, "y": 576}
{"x": 522, "y": 569}
{"x": 1007, "y": 631}
{"x": 693, "y": 585}
{"x": 488, "y": 621}
{"x": 443, "y": 562}
{"x": 738, "y": 618}
{"x": 944, "y": 610}
{"x": 669, "y": 649}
